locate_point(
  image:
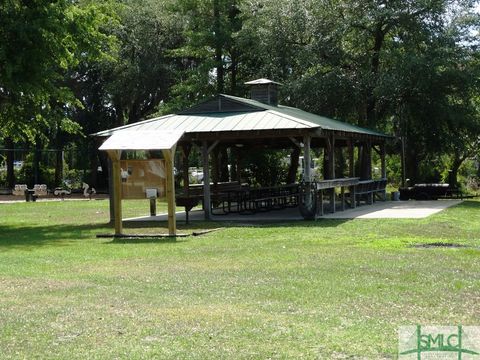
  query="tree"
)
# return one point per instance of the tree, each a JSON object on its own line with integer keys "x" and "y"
{"x": 39, "y": 41}
{"x": 386, "y": 64}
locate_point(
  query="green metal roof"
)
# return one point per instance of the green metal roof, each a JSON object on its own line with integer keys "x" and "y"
{"x": 227, "y": 113}
{"x": 322, "y": 121}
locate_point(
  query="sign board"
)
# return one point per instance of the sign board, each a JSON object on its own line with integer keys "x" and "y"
{"x": 140, "y": 175}
{"x": 151, "y": 193}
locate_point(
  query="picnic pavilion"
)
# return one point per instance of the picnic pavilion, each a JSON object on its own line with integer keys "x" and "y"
{"x": 239, "y": 123}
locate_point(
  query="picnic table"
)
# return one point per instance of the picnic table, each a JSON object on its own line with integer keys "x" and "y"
{"x": 30, "y": 194}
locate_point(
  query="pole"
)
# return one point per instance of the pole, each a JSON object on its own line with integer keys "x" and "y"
{"x": 307, "y": 172}
{"x": 206, "y": 180}
{"x": 117, "y": 190}
{"x": 170, "y": 193}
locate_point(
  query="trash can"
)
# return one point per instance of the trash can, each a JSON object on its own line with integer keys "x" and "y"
{"x": 30, "y": 195}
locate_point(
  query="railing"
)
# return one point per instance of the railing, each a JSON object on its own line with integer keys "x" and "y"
{"x": 312, "y": 195}
{"x": 234, "y": 198}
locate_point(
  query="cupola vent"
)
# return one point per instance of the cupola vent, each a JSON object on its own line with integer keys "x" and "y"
{"x": 264, "y": 91}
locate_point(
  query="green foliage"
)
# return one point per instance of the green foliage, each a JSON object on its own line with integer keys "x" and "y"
{"x": 264, "y": 167}
{"x": 409, "y": 68}
{"x": 41, "y": 41}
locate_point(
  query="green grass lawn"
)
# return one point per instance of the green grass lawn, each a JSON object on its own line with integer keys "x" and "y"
{"x": 329, "y": 289}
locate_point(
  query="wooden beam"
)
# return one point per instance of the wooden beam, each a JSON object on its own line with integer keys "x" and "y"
{"x": 186, "y": 179}
{"x": 369, "y": 159}
{"x": 117, "y": 190}
{"x": 213, "y": 146}
{"x": 110, "y": 190}
{"x": 331, "y": 162}
{"x": 404, "y": 180}
{"x": 331, "y": 156}
{"x": 383, "y": 161}
{"x": 351, "y": 158}
{"x": 307, "y": 173}
{"x": 206, "y": 181}
{"x": 377, "y": 150}
{"x": 295, "y": 141}
{"x": 169, "y": 156}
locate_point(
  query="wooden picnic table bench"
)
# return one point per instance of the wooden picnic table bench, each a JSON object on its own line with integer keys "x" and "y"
{"x": 271, "y": 198}
{"x": 367, "y": 189}
{"x": 221, "y": 196}
{"x": 330, "y": 186}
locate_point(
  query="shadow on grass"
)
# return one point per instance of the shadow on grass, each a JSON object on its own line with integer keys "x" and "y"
{"x": 26, "y": 237}
{"x": 202, "y": 224}
{"x": 157, "y": 240}
{"x": 34, "y": 236}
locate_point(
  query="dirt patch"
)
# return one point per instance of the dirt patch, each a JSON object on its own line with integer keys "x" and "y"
{"x": 441, "y": 245}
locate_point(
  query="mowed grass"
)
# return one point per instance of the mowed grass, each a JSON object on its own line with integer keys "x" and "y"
{"x": 315, "y": 290}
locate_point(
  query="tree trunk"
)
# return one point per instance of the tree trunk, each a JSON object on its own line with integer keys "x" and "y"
{"x": 374, "y": 68}
{"x": 293, "y": 168}
{"x": 453, "y": 176}
{"x": 233, "y": 73}
{"x": 36, "y": 163}
{"x": 366, "y": 162}
{"x": 223, "y": 164}
{"x": 339, "y": 163}
{"x": 215, "y": 165}
{"x": 103, "y": 181}
{"x": 411, "y": 165}
{"x": 326, "y": 164}
{"x": 59, "y": 167}
{"x": 93, "y": 168}
{"x": 10, "y": 159}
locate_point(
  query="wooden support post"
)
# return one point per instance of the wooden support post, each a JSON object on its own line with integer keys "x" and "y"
{"x": 351, "y": 170}
{"x": 332, "y": 157}
{"x": 206, "y": 181}
{"x": 369, "y": 169}
{"x": 369, "y": 160}
{"x": 343, "y": 197}
{"x": 383, "y": 161}
{"x": 153, "y": 207}
{"x": 321, "y": 202}
{"x": 353, "y": 197}
{"x": 117, "y": 190}
{"x": 239, "y": 165}
{"x": 351, "y": 159}
{"x": 332, "y": 201}
{"x": 307, "y": 171}
{"x": 169, "y": 156}
{"x": 215, "y": 166}
{"x": 186, "y": 179}
{"x": 404, "y": 180}
{"x": 383, "y": 168}
{"x": 331, "y": 170}
{"x": 111, "y": 190}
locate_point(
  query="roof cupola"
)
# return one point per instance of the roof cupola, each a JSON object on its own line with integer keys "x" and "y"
{"x": 264, "y": 91}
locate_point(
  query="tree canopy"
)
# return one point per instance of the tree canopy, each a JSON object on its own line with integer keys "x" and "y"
{"x": 407, "y": 67}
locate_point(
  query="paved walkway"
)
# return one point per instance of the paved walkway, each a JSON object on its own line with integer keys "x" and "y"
{"x": 396, "y": 210}
{"x": 380, "y": 210}
{"x": 10, "y": 199}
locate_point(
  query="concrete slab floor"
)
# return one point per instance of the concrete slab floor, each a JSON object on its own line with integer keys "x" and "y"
{"x": 379, "y": 210}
